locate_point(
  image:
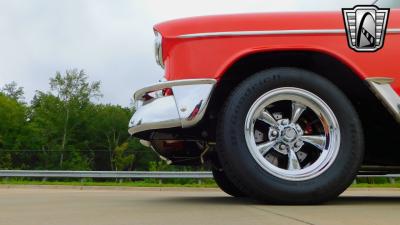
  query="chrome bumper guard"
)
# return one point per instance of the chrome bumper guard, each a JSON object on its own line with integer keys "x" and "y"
{"x": 184, "y": 107}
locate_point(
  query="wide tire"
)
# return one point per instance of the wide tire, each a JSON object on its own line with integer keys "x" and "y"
{"x": 260, "y": 180}
{"x": 225, "y": 184}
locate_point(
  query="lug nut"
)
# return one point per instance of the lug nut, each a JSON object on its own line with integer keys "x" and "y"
{"x": 282, "y": 147}
{"x": 274, "y": 133}
{"x": 297, "y": 144}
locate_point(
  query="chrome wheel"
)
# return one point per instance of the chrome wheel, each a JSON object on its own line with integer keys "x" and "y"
{"x": 292, "y": 133}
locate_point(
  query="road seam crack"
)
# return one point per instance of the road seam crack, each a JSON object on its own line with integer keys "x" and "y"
{"x": 283, "y": 215}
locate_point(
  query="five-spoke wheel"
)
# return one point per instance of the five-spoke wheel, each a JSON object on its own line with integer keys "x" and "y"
{"x": 292, "y": 133}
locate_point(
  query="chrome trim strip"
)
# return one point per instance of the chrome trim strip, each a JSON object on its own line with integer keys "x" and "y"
{"x": 393, "y": 30}
{"x": 384, "y": 91}
{"x": 159, "y": 86}
{"x": 271, "y": 32}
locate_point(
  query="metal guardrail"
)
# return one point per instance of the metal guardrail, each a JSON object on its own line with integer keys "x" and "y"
{"x": 105, "y": 174}
{"x": 378, "y": 175}
{"x": 126, "y": 174}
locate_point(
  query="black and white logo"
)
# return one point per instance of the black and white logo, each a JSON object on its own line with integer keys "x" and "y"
{"x": 365, "y": 27}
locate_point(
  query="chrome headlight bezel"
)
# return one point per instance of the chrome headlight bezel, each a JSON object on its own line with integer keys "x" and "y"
{"x": 158, "y": 48}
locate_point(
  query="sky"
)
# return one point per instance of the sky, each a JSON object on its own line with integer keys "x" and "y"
{"x": 113, "y": 41}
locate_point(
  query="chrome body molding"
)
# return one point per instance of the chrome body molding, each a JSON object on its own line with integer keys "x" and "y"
{"x": 393, "y": 31}
{"x": 384, "y": 91}
{"x": 183, "y": 107}
{"x": 169, "y": 84}
{"x": 272, "y": 32}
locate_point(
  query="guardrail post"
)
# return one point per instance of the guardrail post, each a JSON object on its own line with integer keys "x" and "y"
{"x": 160, "y": 181}
{"x": 392, "y": 180}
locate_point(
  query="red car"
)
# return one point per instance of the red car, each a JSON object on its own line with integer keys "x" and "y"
{"x": 286, "y": 107}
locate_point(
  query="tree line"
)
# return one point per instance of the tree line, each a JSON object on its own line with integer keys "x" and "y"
{"x": 64, "y": 129}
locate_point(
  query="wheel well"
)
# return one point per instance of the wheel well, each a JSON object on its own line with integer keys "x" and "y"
{"x": 375, "y": 118}
{"x": 322, "y": 64}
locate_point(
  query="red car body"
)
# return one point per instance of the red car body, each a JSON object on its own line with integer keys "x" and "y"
{"x": 201, "y": 57}
{"x": 286, "y": 107}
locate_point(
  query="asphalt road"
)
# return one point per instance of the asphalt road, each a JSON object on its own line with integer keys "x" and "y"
{"x": 152, "y": 206}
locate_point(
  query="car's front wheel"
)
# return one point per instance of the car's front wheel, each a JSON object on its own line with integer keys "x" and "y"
{"x": 225, "y": 184}
{"x": 289, "y": 136}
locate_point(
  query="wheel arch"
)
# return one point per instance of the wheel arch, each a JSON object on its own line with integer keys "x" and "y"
{"x": 249, "y": 54}
{"x": 335, "y": 69}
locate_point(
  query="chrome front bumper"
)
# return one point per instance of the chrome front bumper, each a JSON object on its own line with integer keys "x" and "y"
{"x": 184, "y": 107}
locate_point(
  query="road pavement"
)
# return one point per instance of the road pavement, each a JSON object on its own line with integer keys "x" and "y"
{"x": 57, "y": 205}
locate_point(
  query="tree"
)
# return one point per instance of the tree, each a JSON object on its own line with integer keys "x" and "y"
{"x": 59, "y": 118}
{"x": 121, "y": 159}
{"x": 64, "y": 129}
{"x": 75, "y": 92}
{"x": 108, "y": 128}
{"x": 13, "y": 91}
{"x": 46, "y": 125}
{"x": 13, "y": 120}
{"x": 74, "y": 86}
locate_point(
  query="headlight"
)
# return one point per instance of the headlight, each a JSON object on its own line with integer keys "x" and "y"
{"x": 158, "y": 49}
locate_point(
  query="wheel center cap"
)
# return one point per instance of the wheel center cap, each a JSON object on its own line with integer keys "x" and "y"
{"x": 289, "y": 134}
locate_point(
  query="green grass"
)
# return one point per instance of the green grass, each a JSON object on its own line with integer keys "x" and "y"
{"x": 385, "y": 185}
{"x": 117, "y": 184}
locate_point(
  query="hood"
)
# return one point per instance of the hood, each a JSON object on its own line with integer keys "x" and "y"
{"x": 251, "y": 22}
